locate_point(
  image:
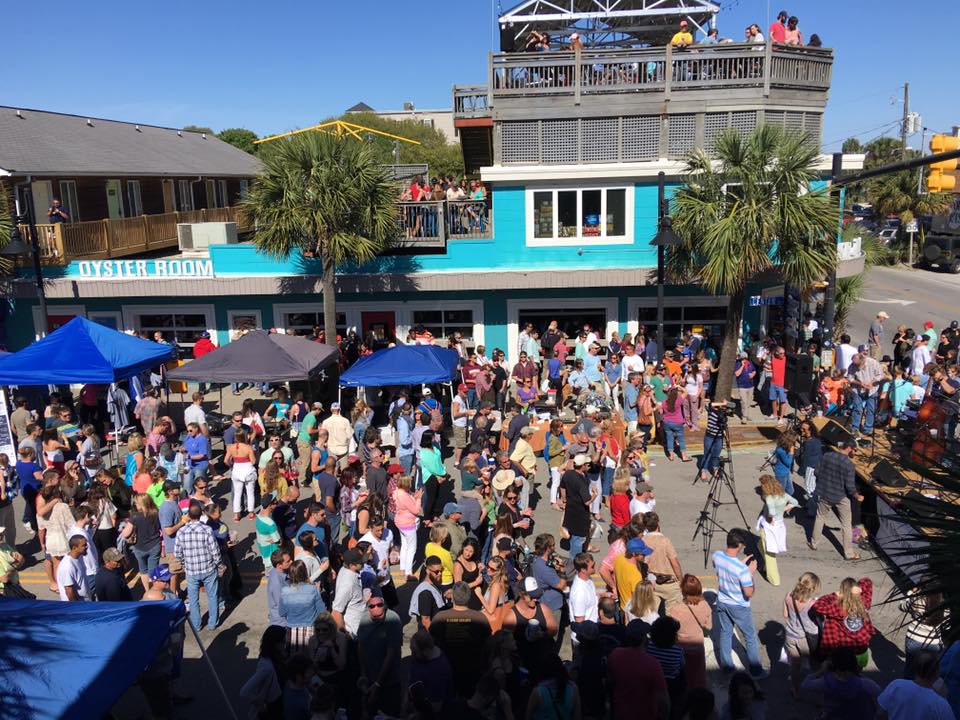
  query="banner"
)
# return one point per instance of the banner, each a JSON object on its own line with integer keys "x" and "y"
{"x": 7, "y": 445}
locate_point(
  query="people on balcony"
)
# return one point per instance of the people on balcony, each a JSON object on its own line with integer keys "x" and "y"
{"x": 465, "y": 211}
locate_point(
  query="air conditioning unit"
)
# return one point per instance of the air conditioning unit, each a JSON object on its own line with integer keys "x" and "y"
{"x": 200, "y": 236}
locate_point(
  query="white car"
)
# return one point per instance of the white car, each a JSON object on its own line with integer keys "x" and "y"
{"x": 888, "y": 235}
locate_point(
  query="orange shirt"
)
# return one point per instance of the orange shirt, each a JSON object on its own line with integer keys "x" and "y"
{"x": 673, "y": 367}
{"x": 832, "y": 389}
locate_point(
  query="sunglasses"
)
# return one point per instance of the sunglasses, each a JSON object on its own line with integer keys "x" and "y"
{"x": 375, "y": 605}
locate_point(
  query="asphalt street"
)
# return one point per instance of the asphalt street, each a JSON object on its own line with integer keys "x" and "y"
{"x": 909, "y": 296}
{"x": 233, "y": 647}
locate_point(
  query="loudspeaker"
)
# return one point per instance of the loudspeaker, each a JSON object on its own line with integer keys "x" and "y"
{"x": 833, "y": 433}
{"x": 799, "y": 374}
{"x": 508, "y": 43}
{"x": 885, "y": 473}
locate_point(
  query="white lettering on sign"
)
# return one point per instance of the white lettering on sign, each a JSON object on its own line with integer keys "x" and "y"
{"x": 109, "y": 269}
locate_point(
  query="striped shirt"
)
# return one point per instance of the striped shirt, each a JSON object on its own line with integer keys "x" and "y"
{"x": 670, "y": 659}
{"x": 268, "y": 537}
{"x": 732, "y": 576}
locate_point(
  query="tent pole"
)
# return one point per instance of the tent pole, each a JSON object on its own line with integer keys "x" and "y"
{"x": 203, "y": 651}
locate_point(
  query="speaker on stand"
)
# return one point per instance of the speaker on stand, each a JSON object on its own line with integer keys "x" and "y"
{"x": 798, "y": 379}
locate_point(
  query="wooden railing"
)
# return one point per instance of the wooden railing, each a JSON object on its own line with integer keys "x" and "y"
{"x": 646, "y": 70}
{"x": 100, "y": 239}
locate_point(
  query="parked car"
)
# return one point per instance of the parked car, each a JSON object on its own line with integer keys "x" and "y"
{"x": 887, "y": 235}
{"x": 942, "y": 251}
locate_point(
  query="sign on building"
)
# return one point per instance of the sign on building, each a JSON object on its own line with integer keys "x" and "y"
{"x": 180, "y": 268}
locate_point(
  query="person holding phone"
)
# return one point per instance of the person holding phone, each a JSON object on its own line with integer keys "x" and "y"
{"x": 736, "y": 586}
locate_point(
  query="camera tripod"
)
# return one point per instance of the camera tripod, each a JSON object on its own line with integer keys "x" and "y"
{"x": 707, "y": 523}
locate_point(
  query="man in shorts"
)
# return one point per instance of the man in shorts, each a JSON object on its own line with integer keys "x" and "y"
{"x": 460, "y": 412}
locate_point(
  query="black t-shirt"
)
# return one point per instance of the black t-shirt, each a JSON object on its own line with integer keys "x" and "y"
{"x": 427, "y": 604}
{"x": 462, "y": 634}
{"x": 576, "y": 517}
{"x": 285, "y": 516}
{"x": 499, "y": 378}
{"x": 377, "y": 481}
{"x": 111, "y": 587}
{"x": 147, "y": 529}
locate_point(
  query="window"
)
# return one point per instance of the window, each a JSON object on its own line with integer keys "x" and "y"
{"x": 68, "y": 198}
{"x": 578, "y": 216}
{"x": 684, "y": 315}
{"x": 244, "y": 189}
{"x": 444, "y": 323}
{"x": 240, "y": 321}
{"x": 181, "y": 328}
{"x": 184, "y": 196}
{"x": 302, "y": 323}
{"x": 221, "y": 193}
{"x": 134, "y": 201}
{"x": 569, "y": 320}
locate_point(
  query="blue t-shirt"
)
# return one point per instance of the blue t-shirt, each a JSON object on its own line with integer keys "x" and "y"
{"x": 548, "y": 579}
{"x": 631, "y": 393}
{"x": 732, "y": 575}
{"x": 612, "y": 372}
{"x": 744, "y": 380}
{"x": 327, "y": 485}
{"x": 280, "y": 408}
{"x": 554, "y": 367}
{"x": 25, "y": 471}
{"x": 169, "y": 516}
{"x": 197, "y": 445}
{"x": 320, "y": 548}
{"x": 591, "y": 367}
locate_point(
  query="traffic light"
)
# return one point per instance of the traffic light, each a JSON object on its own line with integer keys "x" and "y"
{"x": 942, "y": 177}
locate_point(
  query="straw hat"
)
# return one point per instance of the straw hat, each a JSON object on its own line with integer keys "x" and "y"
{"x": 502, "y": 480}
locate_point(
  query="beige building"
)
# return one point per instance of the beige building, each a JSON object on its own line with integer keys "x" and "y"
{"x": 442, "y": 120}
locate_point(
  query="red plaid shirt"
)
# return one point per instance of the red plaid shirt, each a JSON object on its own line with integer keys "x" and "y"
{"x": 839, "y": 630}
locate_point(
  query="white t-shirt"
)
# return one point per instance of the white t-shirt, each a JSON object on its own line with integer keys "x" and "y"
{"x": 71, "y": 572}
{"x": 591, "y": 339}
{"x": 381, "y": 552}
{"x": 631, "y": 364}
{"x": 905, "y": 700}
{"x": 845, "y": 353}
{"x": 583, "y": 602}
{"x": 456, "y": 406}
{"x": 638, "y": 506}
{"x": 91, "y": 560}
{"x": 195, "y": 414}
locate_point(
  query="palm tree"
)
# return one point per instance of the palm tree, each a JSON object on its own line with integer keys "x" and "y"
{"x": 328, "y": 198}
{"x": 744, "y": 210}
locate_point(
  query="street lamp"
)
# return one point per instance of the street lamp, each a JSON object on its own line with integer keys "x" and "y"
{"x": 17, "y": 248}
{"x": 664, "y": 238}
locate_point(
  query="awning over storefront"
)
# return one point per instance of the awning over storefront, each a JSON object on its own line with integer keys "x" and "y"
{"x": 402, "y": 365}
{"x": 82, "y": 352}
{"x": 259, "y": 356}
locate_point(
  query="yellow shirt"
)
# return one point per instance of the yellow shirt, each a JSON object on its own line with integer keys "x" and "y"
{"x": 682, "y": 38}
{"x": 445, "y": 558}
{"x": 627, "y": 575}
{"x": 524, "y": 456}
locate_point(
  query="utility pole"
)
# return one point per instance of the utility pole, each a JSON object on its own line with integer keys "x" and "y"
{"x": 906, "y": 121}
{"x": 830, "y": 293}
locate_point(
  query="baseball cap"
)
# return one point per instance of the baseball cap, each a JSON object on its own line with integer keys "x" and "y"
{"x": 161, "y": 573}
{"x": 928, "y": 324}
{"x": 638, "y": 547}
{"x": 427, "y": 391}
{"x": 451, "y": 508}
{"x": 111, "y": 554}
{"x": 530, "y": 587}
{"x": 742, "y": 355}
{"x": 317, "y": 406}
{"x": 267, "y": 499}
{"x": 504, "y": 543}
{"x": 954, "y": 324}
{"x": 883, "y": 314}
{"x": 580, "y": 460}
{"x": 395, "y": 469}
{"x": 334, "y": 406}
{"x": 462, "y": 387}
{"x": 205, "y": 335}
{"x": 644, "y": 487}
{"x": 353, "y": 557}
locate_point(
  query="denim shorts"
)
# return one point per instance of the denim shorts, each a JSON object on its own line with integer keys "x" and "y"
{"x": 778, "y": 393}
{"x": 147, "y": 560}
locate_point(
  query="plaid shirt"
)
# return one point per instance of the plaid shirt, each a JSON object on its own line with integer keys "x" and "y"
{"x": 197, "y": 548}
{"x": 839, "y": 631}
{"x": 835, "y": 478}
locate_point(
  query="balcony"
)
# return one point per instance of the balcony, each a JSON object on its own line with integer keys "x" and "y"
{"x": 430, "y": 224}
{"x": 639, "y": 104}
{"x": 63, "y": 243}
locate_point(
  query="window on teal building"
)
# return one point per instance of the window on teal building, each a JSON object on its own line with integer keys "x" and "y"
{"x": 444, "y": 323}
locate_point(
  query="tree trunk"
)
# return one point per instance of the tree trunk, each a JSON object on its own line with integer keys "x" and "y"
{"x": 329, "y": 301}
{"x": 728, "y": 352}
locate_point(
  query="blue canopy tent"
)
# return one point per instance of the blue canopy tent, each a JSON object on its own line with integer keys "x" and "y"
{"x": 82, "y": 352}
{"x": 74, "y": 660}
{"x": 403, "y": 365}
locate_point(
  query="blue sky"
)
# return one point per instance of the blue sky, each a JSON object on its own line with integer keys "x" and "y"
{"x": 274, "y": 66}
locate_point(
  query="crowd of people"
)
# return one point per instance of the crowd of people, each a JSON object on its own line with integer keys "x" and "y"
{"x": 464, "y": 210}
{"x": 444, "y": 494}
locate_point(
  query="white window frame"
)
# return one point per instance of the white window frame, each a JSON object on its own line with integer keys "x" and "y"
{"x": 134, "y": 199}
{"x": 233, "y": 314}
{"x": 634, "y": 304}
{"x": 610, "y": 306}
{"x": 184, "y": 196}
{"x": 69, "y": 199}
{"x": 405, "y": 316}
{"x": 131, "y": 314}
{"x": 281, "y": 309}
{"x": 579, "y": 239}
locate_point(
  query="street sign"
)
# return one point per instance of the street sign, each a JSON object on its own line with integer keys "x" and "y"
{"x": 912, "y": 226}
{"x": 760, "y": 301}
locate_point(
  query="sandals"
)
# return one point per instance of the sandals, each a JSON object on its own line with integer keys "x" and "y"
{"x": 853, "y": 558}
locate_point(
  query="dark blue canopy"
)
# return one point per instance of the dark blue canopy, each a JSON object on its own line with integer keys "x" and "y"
{"x": 402, "y": 365}
{"x": 82, "y": 352}
{"x": 74, "y": 660}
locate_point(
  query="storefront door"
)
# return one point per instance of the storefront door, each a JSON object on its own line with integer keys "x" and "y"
{"x": 382, "y": 325}
{"x": 58, "y": 321}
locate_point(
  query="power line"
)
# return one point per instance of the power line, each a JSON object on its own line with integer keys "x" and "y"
{"x": 863, "y": 132}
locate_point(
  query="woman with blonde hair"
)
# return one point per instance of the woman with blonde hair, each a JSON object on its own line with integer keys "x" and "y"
{"x": 846, "y": 618}
{"x": 439, "y": 546}
{"x": 770, "y": 524}
{"x": 799, "y": 626}
{"x": 54, "y": 521}
{"x": 407, "y": 520}
{"x": 696, "y": 621}
{"x": 644, "y": 604}
{"x": 135, "y": 445}
{"x": 273, "y": 480}
{"x": 495, "y": 596}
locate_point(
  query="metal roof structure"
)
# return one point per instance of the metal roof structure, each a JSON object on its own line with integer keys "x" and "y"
{"x": 340, "y": 129}
{"x": 40, "y": 143}
{"x": 608, "y": 23}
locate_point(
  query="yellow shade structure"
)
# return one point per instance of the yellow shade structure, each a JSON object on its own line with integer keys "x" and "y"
{"x": 341, "y": 129}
